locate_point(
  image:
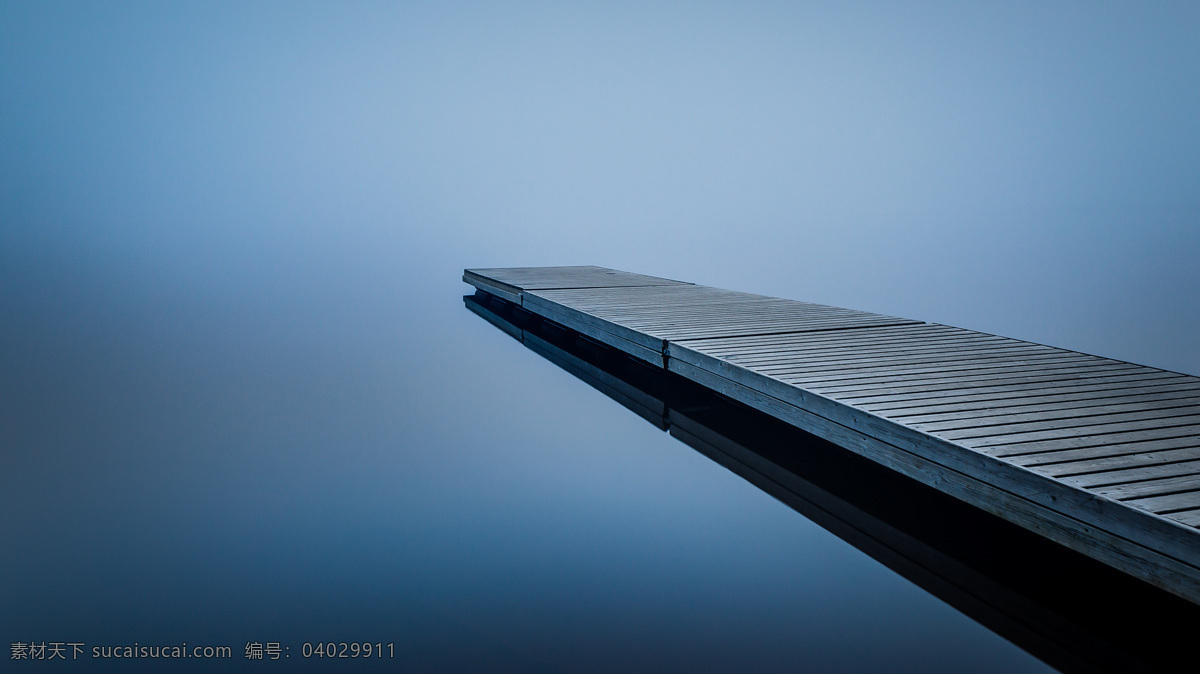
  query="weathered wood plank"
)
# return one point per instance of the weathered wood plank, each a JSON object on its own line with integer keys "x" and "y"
{"x": 1069, "y": 438}
{"x": 1189, "y": 518}
{"x": 923, "y": 351}
{"x": 868, "y": 340}
{"x": 962, "y": 386}
{"x": 955, "y": 368}
{"x": 1101, "y": 466}
{"x": 1090, "y": 404}
{"x": 531, "y": 278}
{"x": 1128, "y": 473}
{"x": 865, "y": 336}
{"x": 1127, "y": 380}
{"x": 1019, "y": 431}
{"x": 1168, "y": 503}
{"x": 1067, "y": 454}
{"x": 1157, "y": 487}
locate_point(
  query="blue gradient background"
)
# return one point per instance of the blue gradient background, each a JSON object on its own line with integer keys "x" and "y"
{"x": 239, "y": 397}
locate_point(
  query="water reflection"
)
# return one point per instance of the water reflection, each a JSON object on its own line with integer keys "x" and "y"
{"x": 1066, "y": 609}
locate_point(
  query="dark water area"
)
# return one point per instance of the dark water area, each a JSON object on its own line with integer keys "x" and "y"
{"x": 241, "y": 400}
{"x": 391, "y": 469}
{"x": 406, "y": 475}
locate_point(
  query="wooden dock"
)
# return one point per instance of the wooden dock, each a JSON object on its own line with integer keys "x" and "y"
{"x": 1096, "y": 454}
{"x": 1033, "y": 592}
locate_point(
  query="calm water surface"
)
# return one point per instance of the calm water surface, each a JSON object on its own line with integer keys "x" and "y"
{"x": 390, "y": 468}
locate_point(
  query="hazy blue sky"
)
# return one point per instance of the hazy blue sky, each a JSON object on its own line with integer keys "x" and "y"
{"x": 1029, "y": 168}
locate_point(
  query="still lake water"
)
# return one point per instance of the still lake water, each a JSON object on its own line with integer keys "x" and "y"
{"x": 391, "y": 468}
{"x": 358, "y": 458}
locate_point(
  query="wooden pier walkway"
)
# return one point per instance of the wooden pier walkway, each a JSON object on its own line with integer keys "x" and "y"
{"x": 1033, "y": 592}
{"x": 1099, "y": 455}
